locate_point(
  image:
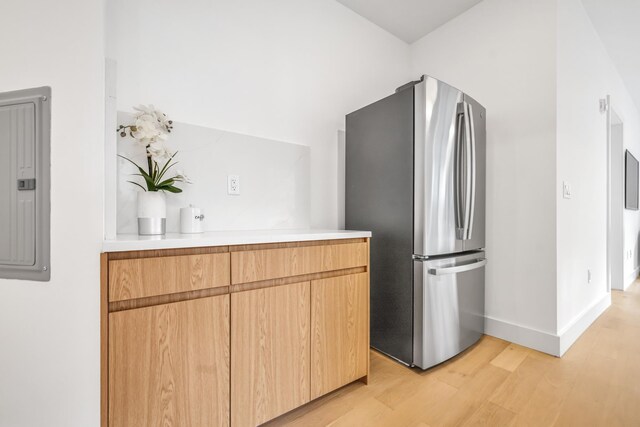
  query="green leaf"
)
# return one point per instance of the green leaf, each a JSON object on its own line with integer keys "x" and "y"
{"x": 166, "y": 167}
{"x": 173, "y": 189}
{"x": 129, "y": 160}
{"x": 166, "y": 183}
{"x": 150, "y": 184}
{"x": 135, "y": 183}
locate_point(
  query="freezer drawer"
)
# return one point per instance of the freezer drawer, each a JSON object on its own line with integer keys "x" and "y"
{"x": 448, "y": 307}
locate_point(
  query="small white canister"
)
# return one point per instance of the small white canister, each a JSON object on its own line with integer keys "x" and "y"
{"x": 191, "y": 220}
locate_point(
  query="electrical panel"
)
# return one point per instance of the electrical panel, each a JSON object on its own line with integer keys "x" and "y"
{"x": 25, "y": 118}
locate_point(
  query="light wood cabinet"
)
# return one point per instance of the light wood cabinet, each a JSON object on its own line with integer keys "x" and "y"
{"x": 169, "y": 364}
{"x": 230, "y": 335}
{"x": 339, "y": 332}
{"x": 265, "y": 264}
{"x": 270, "y": 352}
{"x": 146, "y": 277}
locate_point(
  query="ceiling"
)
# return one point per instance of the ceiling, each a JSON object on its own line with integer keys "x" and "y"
{"x": 616, "y": 21}
{"x": 409, "y": 20}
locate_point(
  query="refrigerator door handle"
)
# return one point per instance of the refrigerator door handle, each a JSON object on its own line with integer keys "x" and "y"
{"x": 458, "y": 166}
{"x": 465, "y": 171}
{"x": 470, "y": 145}
{"x": 481, "y": 262}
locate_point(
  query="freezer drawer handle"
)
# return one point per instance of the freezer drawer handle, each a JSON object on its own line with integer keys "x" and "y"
{"x": 458, "y": 269}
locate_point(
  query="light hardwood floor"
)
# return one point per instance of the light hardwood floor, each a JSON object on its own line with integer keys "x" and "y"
{"x": 495, "y": 383}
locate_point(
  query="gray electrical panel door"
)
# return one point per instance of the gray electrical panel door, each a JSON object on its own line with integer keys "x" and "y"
{"x": 17, "y": 163}
{"x": 24, "y": 184}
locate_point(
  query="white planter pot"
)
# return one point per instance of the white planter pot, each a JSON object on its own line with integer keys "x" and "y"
{"x": 152, "y": 213}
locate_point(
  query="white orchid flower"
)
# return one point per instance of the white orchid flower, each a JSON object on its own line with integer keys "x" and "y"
{"x": 145, "y": 130}
{"x": 148, "y": 113}
{"x": 144, "y": 109}
{"x": 159, "y": 152}
{"x": 182, "y": 177}
{"x": 149, "y": 129}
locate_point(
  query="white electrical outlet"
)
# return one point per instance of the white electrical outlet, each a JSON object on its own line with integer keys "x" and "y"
{"x": 233, "y": 185}
{"x": 566, "y": 190}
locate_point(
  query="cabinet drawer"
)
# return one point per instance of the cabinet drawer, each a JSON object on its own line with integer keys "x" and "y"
{"x": 145, "y": 277}
{"x": 254, "y": 266}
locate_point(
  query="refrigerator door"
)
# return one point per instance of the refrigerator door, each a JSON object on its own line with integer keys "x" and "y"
{"x": 475, "y": 123}
{"x": 448, "y": 307}
{"x": 437, "y": 201}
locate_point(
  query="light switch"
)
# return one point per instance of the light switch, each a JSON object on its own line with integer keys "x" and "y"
{"x": 566, "y": 190}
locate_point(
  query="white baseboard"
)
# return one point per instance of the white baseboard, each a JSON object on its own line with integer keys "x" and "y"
{"x": 570, "y": 333}
{"x": 547, "y": 342}
{"x": 538, "y": 340}
{"x": 631, "y": 278}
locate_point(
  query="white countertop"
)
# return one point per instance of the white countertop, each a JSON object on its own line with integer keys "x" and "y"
{"x": 133, "y": 242}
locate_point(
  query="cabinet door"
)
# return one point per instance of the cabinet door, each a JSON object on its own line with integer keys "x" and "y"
{"x": 340, "y": 332}
{"x": 270, "y": 351}
{"x": 169, "y": 364}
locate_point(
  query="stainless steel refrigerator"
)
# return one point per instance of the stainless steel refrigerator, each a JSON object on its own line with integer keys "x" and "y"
{"x": 415, "y": 176}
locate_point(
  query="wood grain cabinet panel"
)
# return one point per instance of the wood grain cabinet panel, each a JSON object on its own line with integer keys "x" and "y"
{"x": 339, "y": 332}
{"x": 266, "y": 264}
{"x": 270, "y": 351}
{"x": 169, "y": 364}
{"x": 289, "y": 322}
{"x": 145, "y": 277}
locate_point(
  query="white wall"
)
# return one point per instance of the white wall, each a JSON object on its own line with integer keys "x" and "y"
{"x": 274, "y": 180}
{"x": 49, "y": 332}
{"x": 615, "y": 245}
{"x": 585, "y": 75}
{"x": 502, "y": 53}
{"x": 287, "y": 70}
{"x": 616, "y": 24}
{"x": 540, "y": 69}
